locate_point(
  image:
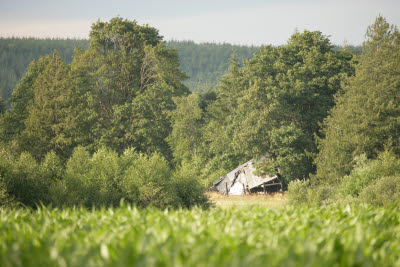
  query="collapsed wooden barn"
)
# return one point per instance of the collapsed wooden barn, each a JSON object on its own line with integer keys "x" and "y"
{"x": 243, "y": 180}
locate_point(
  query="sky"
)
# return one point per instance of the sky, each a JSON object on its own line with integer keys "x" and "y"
{"x": 244, "y": 22}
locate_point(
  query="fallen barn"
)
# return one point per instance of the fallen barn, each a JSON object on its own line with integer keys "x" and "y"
{"x": 242, "y": 180}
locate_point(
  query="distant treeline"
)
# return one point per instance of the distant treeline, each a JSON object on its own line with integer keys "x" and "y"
{"x": 203, "y": 63}
{"x": 206, "y": 63}
{"x": 17, "y": 53}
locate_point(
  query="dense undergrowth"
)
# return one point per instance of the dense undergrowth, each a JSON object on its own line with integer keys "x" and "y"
{"x": 101, "y": 179}
{"x": 372, "y": 181}
{"x": 126, "y": 236}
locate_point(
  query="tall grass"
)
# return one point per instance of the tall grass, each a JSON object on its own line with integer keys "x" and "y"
{"x": 291, "y": 236}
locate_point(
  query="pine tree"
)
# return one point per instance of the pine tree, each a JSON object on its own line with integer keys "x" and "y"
{"x": 13, "y": 121}
{"x": 365, "y": 119}
{"x": 47, "y": 127}
{"x": 186, "y": 135}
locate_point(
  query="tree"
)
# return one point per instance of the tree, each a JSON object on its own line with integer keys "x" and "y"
{"x": 117, "y": 93}
{"x": 365, "y": 118}
{"x": 186, "y": 135}
{"x": 132, "y": 77}
{"x": 50, "y": 115}
{"x": 222, "y": 120}
{"x": 273, "y": 106}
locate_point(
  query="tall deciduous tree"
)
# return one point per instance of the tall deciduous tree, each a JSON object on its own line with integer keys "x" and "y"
{"x": 130, "y": 77}
{"x": 282, "y": 95}
{"x": 366, "y": 116}
{"x": 117, "y": 93}
{"x": 135, "y": 76}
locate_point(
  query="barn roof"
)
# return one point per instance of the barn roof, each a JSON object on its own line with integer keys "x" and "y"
{"x": 242, "y": 176}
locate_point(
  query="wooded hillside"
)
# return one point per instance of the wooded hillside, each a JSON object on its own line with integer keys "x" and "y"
{"x": 203, "y": 63}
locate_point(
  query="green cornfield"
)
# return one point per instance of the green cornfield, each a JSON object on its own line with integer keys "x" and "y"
{"x": 252, "y": 236}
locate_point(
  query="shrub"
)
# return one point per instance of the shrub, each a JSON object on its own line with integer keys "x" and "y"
{"x": 103, "y": 178}
{"x": 89, "y": 180}
{"x": 297, "y": 191}
{"x": 187, "y": 187}
{"x": 146, "y": 181}
{"x": 304, "y": 192}
{"x": 74, "y": 188}
{"x": 366, "y": 171}
{"x": 382, "y": 192}
{"x": 25, "y": 180}
{"x": 5, "y": 199}
{"x": 51, "y": 167}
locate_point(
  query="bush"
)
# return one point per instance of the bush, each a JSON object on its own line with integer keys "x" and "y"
{"x": 366, "y": 171}
{"x": 5, "y": 199}
{"x": 321, "y": 194}
{"x": 25, "y": 180}
{"x": 101, "y": 179}
{"x": 382, "y": 192}
{"x": 51, "y": 167}
{"x": 74, "y": 188}
{"x": 146, "y": 181}
{"x": 187, "y": 187}
{"x": 297, "y": 191}
{"x": 303, "y": 192}
{"x": 89, "y": 180}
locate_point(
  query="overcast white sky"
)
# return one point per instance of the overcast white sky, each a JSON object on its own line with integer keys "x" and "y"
{"x": 251, "y": 22}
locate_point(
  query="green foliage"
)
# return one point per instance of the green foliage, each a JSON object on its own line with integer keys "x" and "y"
{"x": 89, "y": 180}
{"x": 102, "y": 179}
{"x": 203, "y": 63}
{"x": 50, "y": 116}
{"x": 382, "y": 192}
{"x": 365, "y": 118}
{"x": 2, "y": 106}
{"x": 273, "y": 106}
{"x": 6, "y": 200}
{"x": 146, "y": 181}
{"x": 206, "y": 63}
{"x": 297, "y": 191}
{"x": 187, "y": 121}
{"x": 305, "y": 192}
{"x": 187, "y": 187}
{"x": 287, "y": 145}
{"x": 126, "y": 236}
{"x": 25, "y": 180}
{"x": 366, "y": 171}
{"x": 369, "y": 182}
{"x": 17, "y": 53}
{"x": 13, "y": 120}
{"x": 133, "y": 77}
{"x": 117, "y": 93}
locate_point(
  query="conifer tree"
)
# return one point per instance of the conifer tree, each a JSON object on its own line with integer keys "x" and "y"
{"x": 50, "y": 113}
{"x": 365, "y": 119}
{"x": 186, "y": 135}
{"x": 13, "y": 121}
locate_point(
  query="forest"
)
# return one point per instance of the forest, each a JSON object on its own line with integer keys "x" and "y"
{"x": 108, "y": 147}
{"x": 203, "y": 63}
{"x": 113, "y": 118}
